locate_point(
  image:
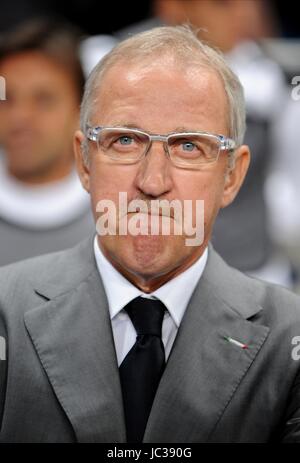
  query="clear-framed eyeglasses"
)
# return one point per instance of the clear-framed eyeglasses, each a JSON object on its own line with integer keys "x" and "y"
{"x": 184, "y": 149}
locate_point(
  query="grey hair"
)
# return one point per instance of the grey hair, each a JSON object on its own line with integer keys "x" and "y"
{"x": 182, "y": 44}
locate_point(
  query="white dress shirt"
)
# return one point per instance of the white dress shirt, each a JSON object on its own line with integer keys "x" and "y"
{"x": 175, "y": 295}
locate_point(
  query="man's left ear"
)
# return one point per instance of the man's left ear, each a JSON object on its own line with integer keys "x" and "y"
{"x": 236, "y": 175}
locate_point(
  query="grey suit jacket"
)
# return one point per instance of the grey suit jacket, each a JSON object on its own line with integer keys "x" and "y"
{"x": 60, "y": 381}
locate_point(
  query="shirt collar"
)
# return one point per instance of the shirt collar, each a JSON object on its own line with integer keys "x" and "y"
{"x": 175, "y": 294}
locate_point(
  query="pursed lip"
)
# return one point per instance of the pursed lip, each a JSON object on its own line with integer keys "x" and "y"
{"x": 155, "y": 210}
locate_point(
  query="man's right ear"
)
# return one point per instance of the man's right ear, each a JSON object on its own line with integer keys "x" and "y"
{"x": 81, "y": 160}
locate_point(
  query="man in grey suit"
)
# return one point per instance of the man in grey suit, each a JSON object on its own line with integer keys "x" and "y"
{"x": 138, "y": 336}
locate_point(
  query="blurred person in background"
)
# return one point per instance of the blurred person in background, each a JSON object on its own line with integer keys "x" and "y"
{"x": 43, "y": 207}
{"x": 242, "y": 232}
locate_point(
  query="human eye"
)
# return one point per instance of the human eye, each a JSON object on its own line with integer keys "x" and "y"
{"x": 121, "y": 144}
{"x": 113, "y": 139}
{"x": 193, "y": 148}
{"x": 45, "y": 100}
{"x": 124, "y": 140}
{"x": 186, "y": 147}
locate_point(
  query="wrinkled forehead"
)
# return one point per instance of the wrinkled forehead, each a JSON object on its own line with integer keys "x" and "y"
{"x": 162, "y": 87}
{"x": 180, "y": 75}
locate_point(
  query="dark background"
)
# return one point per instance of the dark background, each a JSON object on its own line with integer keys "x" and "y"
{"x": 106, "y": 17}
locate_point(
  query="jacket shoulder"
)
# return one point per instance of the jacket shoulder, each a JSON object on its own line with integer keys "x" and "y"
{"x": 243, "y": 293}
{"x": 56, "y": 271}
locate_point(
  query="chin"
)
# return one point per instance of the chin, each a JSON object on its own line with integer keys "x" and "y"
{"x": 149, "y": 255}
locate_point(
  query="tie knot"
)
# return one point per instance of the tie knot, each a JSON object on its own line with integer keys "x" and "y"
{"x": 146, "y": 315}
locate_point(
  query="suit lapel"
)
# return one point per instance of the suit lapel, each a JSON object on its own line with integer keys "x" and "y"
{"x": 73, "y": 339}
{"x": 204, "y": 370}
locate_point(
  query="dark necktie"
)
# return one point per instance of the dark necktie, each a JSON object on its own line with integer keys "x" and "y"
{"x": 141, "y": 370}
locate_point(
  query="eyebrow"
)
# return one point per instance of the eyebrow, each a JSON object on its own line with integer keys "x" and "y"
{"x": 130, "y": 125}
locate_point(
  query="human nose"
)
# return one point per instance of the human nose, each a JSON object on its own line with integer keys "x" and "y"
{"x": 154, "y": 174}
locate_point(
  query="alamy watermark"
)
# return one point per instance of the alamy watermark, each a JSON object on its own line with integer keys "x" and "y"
{"x": 2, "y": 88}
{"x": 152, "y": 217}
{"x": 296, "y": 350}
{"x": 2, "y": 348}
{"x": 296, "y": 90}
